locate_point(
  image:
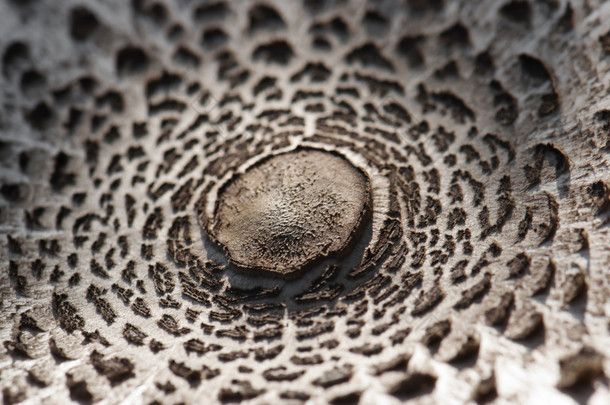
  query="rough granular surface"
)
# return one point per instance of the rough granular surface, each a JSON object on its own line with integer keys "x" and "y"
{"x": 290, "y": 210}
{"x": 455, "y": 154}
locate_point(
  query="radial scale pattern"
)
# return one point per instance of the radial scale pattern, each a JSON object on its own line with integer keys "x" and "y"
{"x": 326, "y": 201}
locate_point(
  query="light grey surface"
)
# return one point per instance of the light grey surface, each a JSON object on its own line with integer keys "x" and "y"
{"x": 525, "y": 372}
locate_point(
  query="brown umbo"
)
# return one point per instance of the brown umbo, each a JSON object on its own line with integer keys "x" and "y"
{"x": 289, "y": 211}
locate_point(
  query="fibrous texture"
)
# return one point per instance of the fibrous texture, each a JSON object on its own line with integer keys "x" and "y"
{"x": 289, "y": 211}
{"x": 432, "y": 175}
